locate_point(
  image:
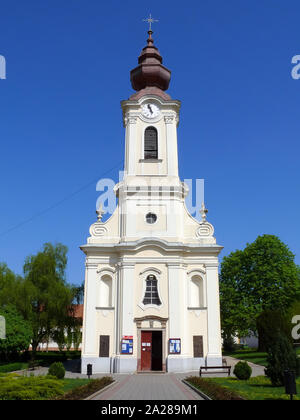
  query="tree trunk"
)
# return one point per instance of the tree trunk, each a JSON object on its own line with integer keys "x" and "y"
{"x": 34, "y": 346}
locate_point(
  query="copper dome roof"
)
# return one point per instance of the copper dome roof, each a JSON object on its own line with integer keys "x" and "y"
{"x": 150, "y": 76}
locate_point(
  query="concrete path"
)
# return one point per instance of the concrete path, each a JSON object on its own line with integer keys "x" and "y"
{"x": 149, "y": 387}
{"x": 257, "y": 370}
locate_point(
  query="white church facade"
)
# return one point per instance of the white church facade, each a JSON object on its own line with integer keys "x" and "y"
{"x": 151, "y": 282}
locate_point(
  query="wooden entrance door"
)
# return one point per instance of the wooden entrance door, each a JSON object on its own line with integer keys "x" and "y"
{"x": 146, "y": 351}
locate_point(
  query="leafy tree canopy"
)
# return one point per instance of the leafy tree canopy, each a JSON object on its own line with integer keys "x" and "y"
{"x": 45, "y": 298}
{"x": 18, "y": 332}
{"x": 8, "y": 285}
{"x": 263, "y": 276}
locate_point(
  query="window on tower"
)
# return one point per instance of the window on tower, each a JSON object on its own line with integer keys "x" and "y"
{"x": 151, "y": 143}
{"x": 151, "y": 295}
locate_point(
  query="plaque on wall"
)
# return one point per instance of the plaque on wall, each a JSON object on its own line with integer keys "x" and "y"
{"x": 175, "y": 346}
{"x": 127, "y": 345}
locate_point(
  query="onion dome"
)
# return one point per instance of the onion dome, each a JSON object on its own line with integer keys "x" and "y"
{"x": 150, "y": 76}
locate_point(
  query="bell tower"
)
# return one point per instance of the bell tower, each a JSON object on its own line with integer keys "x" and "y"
{"x": 151, "y": 182}
{"x": 151, "y": 107}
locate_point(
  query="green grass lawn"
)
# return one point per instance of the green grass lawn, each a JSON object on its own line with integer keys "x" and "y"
{"x": 12, "y": 367}
{"x": 252, "y": 356}
{"x": 259, "y": 388}
{"x": 70, "y": 384}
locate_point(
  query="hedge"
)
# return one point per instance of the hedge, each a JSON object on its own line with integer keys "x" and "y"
{"x": 85, "y": 391}
{"x": 12, "y": 367}
{"x": 213, "y": 390}
{"x": 14, "y": 387}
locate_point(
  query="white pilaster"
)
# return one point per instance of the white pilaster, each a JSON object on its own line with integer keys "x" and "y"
{"x": 127, "y": 298}
{"x": 131, "y": 145}
{"x": 214, "y": 356}
{"x": 90, "y": 324}
{"x": 172, "y": 149}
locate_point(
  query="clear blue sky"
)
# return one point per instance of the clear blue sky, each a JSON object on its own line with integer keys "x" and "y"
{"x": 68, "y": 66}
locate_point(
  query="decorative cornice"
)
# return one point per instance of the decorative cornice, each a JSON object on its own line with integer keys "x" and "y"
{"x": 130, "y": 120}
{"x": 212, "y": 265}
{"x": 174, "y": 264}
{"x": 197, "y": 270}
{"x": 109, "y": 308}
{"x": 151, "y": 317}
{"x": 123, "y": 264}
{"x": 161, "y": 243}
{"x": 106, "y": 269}
{"x": 169, "y": 119}
{"x": 156, "y": 270}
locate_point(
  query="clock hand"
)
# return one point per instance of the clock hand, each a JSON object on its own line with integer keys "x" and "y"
{"x": 149, "y": 107}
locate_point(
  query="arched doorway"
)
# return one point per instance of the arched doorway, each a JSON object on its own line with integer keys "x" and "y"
{"x": 151, "y": 333}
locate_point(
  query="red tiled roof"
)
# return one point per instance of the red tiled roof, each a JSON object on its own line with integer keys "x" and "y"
{"x": 78, "y": 311}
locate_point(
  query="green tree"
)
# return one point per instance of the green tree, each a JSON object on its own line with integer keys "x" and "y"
{"x": 45, "y": 298}
{"x": 18, "y": 333}
{"x": 58, "y": 336}
{"x": 9, "y": 286}
{"x": 77, "y": 337}
{"x": 79, "y": 294}
{"x": 272, "y": 322}
{"x": 263, "y": 276}
{"x": 281, "y": 357}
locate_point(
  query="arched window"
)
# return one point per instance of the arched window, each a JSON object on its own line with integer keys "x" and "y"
{"x": 151, "y": 295}
{"x": 106, "y": 292}
{"x": 151, "y": 143}
{"x": 196, "y": 292}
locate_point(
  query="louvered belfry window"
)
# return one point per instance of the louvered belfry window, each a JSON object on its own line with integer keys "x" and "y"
{"x": 151, "y": 143}
{"x": 151, "y": 295}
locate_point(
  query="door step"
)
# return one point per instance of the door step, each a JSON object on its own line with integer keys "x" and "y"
{"x": 149, "y": 372}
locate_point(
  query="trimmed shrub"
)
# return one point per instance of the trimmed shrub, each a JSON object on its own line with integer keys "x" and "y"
{"x": 270, "y": 322}
{"x": 213, "y": 390}
{"x": 12, "y": 367}
{"x": 242, "y": 371}
{"x": 57, "y": 370}
{"x": 13, "y": 387}
{"x": 281, "y": 357}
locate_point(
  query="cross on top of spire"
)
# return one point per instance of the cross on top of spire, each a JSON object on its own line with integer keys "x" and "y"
{"x": 150, "y": 20}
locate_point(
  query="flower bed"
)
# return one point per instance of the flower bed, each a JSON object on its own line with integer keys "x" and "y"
{"x": 83, "y": 392}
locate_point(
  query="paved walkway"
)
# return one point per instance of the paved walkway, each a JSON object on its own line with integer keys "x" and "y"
{"x": 153, "y": 386}
{"x": 257, "y": 370}
{"x": 149, "y": 387}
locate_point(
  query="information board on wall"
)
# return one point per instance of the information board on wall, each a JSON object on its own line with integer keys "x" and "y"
{"x": 127, "y": 345}
{"x": 174, "y": 346}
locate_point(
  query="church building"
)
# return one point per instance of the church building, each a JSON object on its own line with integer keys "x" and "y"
{"x": 151, "y": 279}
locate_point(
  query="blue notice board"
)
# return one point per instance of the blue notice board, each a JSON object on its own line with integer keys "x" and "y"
{"x": 174, "y": 346}
{"x": 127, "y": 345}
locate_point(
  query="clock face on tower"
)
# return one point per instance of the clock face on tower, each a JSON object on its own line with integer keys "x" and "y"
{"x": 150, "y": 111}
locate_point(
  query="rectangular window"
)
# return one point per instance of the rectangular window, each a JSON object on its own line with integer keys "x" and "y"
{"x": 104, "y": 346}
{"x": 198, "y": 345}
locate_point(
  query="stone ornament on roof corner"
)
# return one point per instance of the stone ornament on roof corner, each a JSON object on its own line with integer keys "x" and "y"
{"x": 206, "y": 229}
{"x": 97, "y": 229}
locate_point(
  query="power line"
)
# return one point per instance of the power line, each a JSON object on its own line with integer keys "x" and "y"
{"x": 58, "y": 203}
